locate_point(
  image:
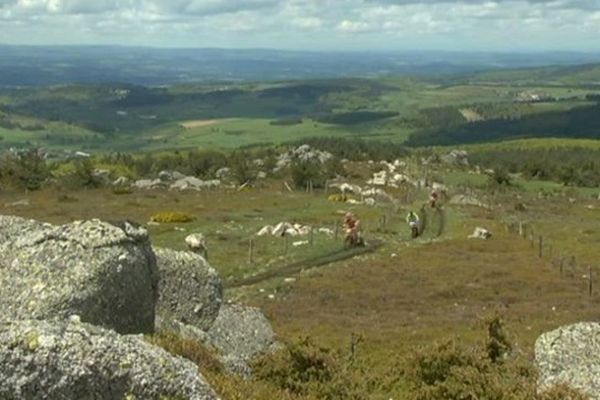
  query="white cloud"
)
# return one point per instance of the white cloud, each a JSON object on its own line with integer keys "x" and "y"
{"x": 331, "y": 24}
{"x": 353, "y": 26}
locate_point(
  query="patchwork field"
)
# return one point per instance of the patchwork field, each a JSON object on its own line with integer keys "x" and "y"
{"x": 435, "y": 110}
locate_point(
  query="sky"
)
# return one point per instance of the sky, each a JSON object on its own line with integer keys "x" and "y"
{"x": 326, "y": 25}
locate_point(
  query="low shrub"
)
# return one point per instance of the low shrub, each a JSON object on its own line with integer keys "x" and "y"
{"x": 452, "y": 371}
{"x": 171, "y": 217}
{"x": 337, "y": 198}
{"x": 189, "y": 349}
{"x": 122, "y": 190}
{"x": 310, "y": 371}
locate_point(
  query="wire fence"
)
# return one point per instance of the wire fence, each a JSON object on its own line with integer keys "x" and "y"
{"x": 563, "y": 262}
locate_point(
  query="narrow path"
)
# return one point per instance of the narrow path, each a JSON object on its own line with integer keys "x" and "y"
{"x": 435, "y": 219}
{"x": 303, "y": 265}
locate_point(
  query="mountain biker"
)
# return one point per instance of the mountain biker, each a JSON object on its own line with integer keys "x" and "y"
{"x": 352, "y": 230}
{"x": 413, "y": 222}
{"x": 433, "y": 198}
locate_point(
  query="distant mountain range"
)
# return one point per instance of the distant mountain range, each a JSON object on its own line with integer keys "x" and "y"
{"x": 33, "y": 66}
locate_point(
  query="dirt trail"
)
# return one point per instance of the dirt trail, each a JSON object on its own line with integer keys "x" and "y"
{"x": 432, "y": 220}
{"x": 303, "y": 265}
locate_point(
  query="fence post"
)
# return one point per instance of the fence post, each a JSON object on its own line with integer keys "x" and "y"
{"x": 521, "y": 233}
{"x": 532, "y": 240}
{"x": 312, "y": 236}
{"x": 251, "y": 251}
{"x": 590, "y": 282}
{"x": 541, "y": 246}
{"x": 562, "y": 265}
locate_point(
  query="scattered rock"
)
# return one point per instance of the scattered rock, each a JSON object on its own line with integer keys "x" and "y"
{"x": 387, "y": 178}
{"x": 302, "y": 153}
{"x": 223, "y": 173}
{"x": 570, "y": 355}
{"x": 193, "y": 183}
{"x": 19, "y": 203}
{"x": 326, "y": 231}
{"x": 480, "y": 233}
{"x": 196, "y": 242}
{"x": 121, "y": 181}
{"x": 261, "y": 175}
{"x": 106, "y": 273}
{"x": 146, "y": 184}
{"x": 102, "y": 176}
{"x": 284, "y": 229}
{"x": 346, "y": 187}
{"x": 62, "y": 360}
{"x": 456, "y": 157}
{"x": 190, "y": 290}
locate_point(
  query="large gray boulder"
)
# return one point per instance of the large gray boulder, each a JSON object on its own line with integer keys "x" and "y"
{"x": 570, "y": 355}
{"x": 241, "y": 332}
{"x": 238, "y": 334}
{"x": 105, "y": 273}
{"x": 11, "y": 227}
{"x": 68, "y": 360}
{"x": 190, "y": 290}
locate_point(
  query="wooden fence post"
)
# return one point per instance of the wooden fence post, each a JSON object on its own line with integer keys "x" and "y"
{"x": 521, "y": 233}
{"x": 532, "y": 240}
{"x": 562, "y": 265}
{"x": 590, "y": 282}
{"x": 541, "y": 246}
{"x": 251, "y": 251}
{"x": 312, "y": 236}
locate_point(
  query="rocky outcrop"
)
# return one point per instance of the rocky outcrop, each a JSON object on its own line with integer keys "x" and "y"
{"x": 570, "y": 355}
{"x": 456, "y": 157}
{"x": 191, "y": 291}
{"x": 302, "y": 153}
{"x": 105, "y": 273}
{"x": 68, "y": 360}
{"x": 174, "y": 180}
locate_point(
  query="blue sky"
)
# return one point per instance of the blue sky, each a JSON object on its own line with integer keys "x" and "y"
{"x": 468, "y": 25}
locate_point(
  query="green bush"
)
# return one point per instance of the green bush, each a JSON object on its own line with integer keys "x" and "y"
{"x": 77, "y": 174}
{"x": 189, "y": 349}
{"x": 25, "y": 170}
{"x": 171, "y": 217}
{"x": 312, "y": 371}
{"x": 120, "y": 190}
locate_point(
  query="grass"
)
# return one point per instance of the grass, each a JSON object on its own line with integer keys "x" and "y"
{"x": 406, "y": 295}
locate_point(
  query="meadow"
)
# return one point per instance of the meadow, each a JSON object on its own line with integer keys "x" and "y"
{"x": 407, "y": 295}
